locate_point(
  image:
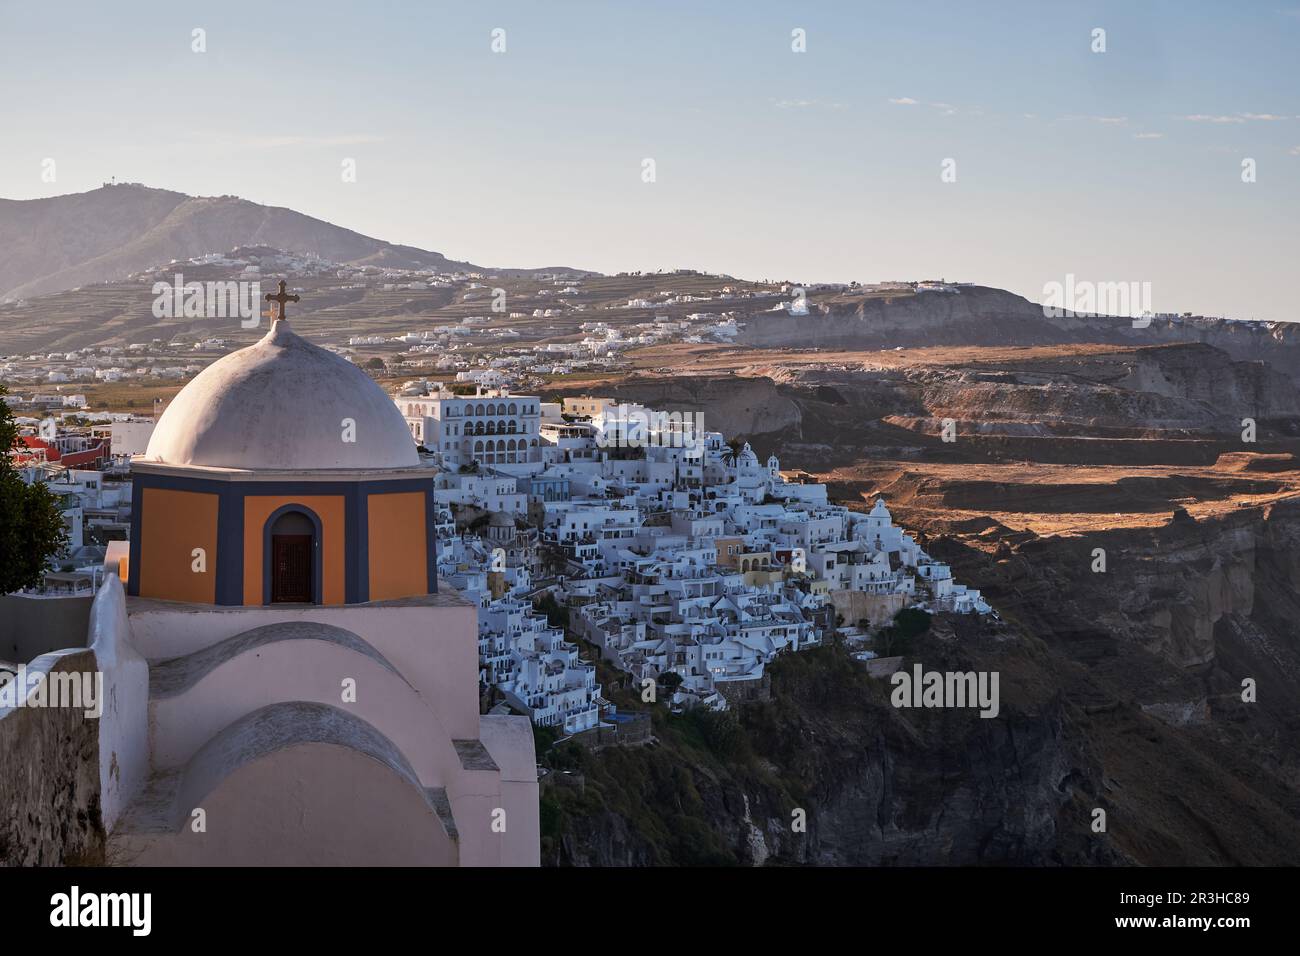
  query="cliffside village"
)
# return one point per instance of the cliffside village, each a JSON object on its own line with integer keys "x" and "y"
{"x": 671, "y": 550}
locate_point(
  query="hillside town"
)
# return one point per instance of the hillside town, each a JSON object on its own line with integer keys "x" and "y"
{"x": 489, "y": 329}
{"x": 669, "y": 550}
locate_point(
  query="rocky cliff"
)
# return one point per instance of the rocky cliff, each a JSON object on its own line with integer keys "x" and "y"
{"x": 981, "y": 316}
{"x": 829, "y": 773}
{"x": 1120, "y": 691}
{"x": 1158, "y": 685}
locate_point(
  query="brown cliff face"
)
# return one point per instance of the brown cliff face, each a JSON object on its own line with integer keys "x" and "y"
{"x": 1122, "y": 687}
{"x": 871, "y": 784}
{"x": 1119, "y": 691}
{"x": 981, "y": 316}
{"x": 1180, "y": 404}
{"x": 1183, "y": 615}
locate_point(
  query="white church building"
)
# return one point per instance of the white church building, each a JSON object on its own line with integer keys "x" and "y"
{"x": 286, "y": 683}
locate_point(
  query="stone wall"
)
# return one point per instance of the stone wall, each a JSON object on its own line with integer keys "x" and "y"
{"x": 624, "y": 733}
{"x": 49, "y": 787}
{"x": 745, "y": 691}
{"x": 878, "y": 609}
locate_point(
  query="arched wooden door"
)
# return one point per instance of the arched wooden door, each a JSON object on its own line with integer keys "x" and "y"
{"x": 293, "y": 556}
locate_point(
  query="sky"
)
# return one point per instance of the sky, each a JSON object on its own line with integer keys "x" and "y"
{"x": 824, "y": 165}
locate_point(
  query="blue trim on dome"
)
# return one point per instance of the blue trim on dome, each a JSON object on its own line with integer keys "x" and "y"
{"x": 356, "y": 571}
{"x": 230, "y": 547}
{"x": 362, "y": 549}
{"x": 133, "y": 559}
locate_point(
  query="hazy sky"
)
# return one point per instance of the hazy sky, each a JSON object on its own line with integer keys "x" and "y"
{"x": 815, "y": 166}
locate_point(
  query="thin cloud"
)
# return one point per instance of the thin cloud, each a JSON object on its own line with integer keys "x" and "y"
{"x": 276, "y": 142}
{"x": 1104, "y": 120}
{"x": 1233, "y": 118}
{"x": 789, "y": 104}
{"x": 903, "y": 101}
{"x": 1148, "y": 135}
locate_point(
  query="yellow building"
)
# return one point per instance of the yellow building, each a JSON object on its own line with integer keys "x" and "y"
{"x": 734, "y": 553}
{"x": 586, "y": 406}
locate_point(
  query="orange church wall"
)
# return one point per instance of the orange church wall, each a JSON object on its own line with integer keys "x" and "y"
{"x": 329, "y": 508}
{"x": 172, "y": 525}
{"x": 397, "y": 544}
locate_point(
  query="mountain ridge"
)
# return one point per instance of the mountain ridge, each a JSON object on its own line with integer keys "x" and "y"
{"x": 61, "y": 242}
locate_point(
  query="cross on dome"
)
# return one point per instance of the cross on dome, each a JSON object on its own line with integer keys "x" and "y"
{"x": 283, "y": 298}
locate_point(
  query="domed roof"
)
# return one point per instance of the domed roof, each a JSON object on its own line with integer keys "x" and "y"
{"x": 281, "y": 404}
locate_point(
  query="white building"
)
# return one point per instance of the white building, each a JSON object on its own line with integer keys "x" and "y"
{"x": 679, "y": 556}
{"x": 491, "y": 427}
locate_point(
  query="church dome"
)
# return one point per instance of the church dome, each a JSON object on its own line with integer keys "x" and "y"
{"x": 282, "y": 404}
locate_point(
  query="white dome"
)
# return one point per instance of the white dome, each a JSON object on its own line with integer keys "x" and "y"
{"x": 280, "y": 405}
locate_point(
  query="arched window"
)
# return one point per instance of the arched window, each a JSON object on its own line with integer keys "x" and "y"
{"x": 512, "y": 409}
{"x": 291, "y": 566}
